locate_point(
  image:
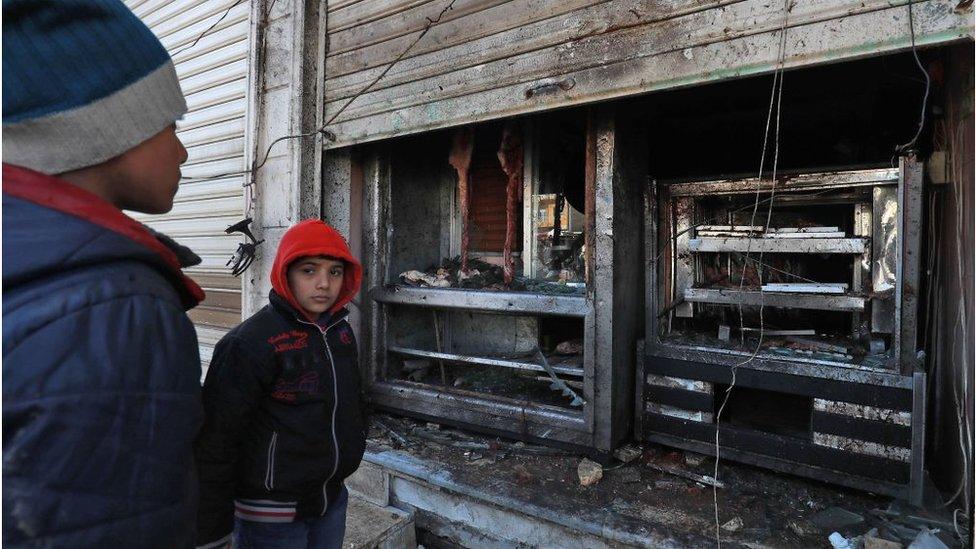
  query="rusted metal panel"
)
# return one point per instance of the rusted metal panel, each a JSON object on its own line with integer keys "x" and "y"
{"x": 460, "y": 74}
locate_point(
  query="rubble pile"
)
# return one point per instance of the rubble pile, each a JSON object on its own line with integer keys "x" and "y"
{"x": 480, "y": 275}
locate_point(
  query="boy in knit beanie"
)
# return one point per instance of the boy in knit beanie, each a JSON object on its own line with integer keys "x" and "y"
{"x": 100, "y": 362}
{"x": 284, "y": 417}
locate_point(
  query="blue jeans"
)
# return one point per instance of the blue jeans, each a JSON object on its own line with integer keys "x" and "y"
{"x": 325, "y": 532}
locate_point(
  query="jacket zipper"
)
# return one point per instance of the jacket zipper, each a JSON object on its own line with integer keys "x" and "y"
{"x": 272, "y": 450}
{"x": 335, "y": 406}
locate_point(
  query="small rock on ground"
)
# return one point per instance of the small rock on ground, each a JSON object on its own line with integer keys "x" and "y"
{"x": 590, "y": 472}
{"x": 732, "y": 525}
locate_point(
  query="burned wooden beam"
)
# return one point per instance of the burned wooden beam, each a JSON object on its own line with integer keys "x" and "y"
{"x": 510, "y": 155}
{"x": 589, "y": 180}
{"x": 460, "y": 159}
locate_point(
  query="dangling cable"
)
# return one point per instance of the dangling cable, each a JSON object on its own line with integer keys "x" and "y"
{"x": 775, "y": 96}
{"x": 903, "y": 150}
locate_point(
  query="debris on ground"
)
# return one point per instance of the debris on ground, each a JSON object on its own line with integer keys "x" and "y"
{"x": 627, "y": 474}
{"x": 694, "y": 459}
{"x": 522, "y": 474}
{"x": 835, "y": 518}
{"x": 927, "y": 539}
{"x": 837, "y": 541}
{"x": 803, "y": 528}
{"x": 590, "y": 472}
{"x": 480, "y": 275}
{"x": 732, "y": 525}
{"x": 571, "y": 347}
{"x": 627, "y": 453}
{"x": 776, "y": 510}
{"x": 701, "y": 479}
{"x": 871, "y": 542}
{"x": 416, "y": 368}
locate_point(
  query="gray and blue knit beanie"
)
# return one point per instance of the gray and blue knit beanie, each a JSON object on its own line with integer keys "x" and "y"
{"x": 83, "y": 82}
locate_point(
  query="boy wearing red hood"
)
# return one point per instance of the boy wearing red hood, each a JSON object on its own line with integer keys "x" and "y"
{"x": 284, "y": 422}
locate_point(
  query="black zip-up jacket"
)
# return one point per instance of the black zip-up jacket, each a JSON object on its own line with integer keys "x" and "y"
{"x": 284, "y": 420}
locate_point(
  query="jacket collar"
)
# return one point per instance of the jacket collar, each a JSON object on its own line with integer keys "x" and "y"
{"x": 59, "y": 195}
{"x": 288, "y": 311}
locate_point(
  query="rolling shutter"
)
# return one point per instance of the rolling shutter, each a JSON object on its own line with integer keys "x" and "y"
{"x": 213, "y": 74}
{"x": 488, "y": 59}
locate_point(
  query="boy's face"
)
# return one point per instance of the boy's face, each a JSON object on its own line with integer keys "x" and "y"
{"x": 316, "y": 282}
{"x": 148, "y": 175}
{"x": 143, "y": 179}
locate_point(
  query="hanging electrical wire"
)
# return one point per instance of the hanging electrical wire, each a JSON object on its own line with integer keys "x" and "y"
{"x": 246, "y": 252}
{"x": 321, "y": 130}
{"x": 207, "y": 31}
{"x": 908, "y": 147}
{"x": 776, "y": 95}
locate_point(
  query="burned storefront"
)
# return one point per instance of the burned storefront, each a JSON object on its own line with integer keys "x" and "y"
{"x": 791, "y": 303}
{"x": 529, "y": 275}
{"x": 714, "y": 226}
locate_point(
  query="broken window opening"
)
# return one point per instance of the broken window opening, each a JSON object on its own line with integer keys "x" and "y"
{"x": 809, "y": 286}
{"x": 509, "y": 213}
{"x": 823, "y": 266}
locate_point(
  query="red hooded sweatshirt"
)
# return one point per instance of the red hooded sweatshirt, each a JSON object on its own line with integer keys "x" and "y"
{"x": 314, "y": 237}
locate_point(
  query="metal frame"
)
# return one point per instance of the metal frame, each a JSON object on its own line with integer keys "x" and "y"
{"x": 610, "y": 310}
{"x": 492, "y": 302}
{"x": 821, "y": 302}
{"x": 485, "y": 361}
{"x": 907, "y": 375}
{"x": 909, "y": 252}
{"x": 823, "y": 180}
{"x": 776, "y": 245}
{"x": 795, "y": 189}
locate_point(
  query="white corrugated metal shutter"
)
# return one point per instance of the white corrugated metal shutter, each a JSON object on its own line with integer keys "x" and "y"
{"x": 213, "y": 74}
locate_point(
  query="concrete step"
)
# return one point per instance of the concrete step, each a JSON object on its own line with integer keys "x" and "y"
{"x": 371, "y": 526}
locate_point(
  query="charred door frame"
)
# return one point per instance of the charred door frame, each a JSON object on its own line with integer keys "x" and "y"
{"x": 611, "y": 309}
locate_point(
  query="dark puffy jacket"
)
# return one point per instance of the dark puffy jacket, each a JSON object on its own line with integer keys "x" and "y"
{"x": 284, "y": 420}
{"x": 101, "y": 374}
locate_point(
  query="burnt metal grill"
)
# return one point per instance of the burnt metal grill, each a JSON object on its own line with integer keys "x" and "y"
{"x": 834, "y": 386}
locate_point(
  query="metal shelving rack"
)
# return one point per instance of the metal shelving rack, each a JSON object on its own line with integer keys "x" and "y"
{"x": 866, "y": 420}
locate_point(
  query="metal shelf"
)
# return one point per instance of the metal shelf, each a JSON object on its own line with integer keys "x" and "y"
{"x": 486, "y": 361}
{"x": 778, "y": 245}
{"x": 820, "y": 302}
{"x": 518, "y": 303}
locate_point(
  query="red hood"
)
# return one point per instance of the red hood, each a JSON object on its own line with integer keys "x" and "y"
{"x": 310, "y": 238}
